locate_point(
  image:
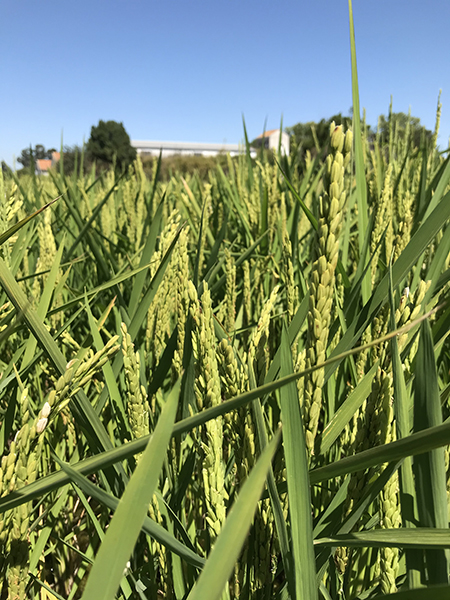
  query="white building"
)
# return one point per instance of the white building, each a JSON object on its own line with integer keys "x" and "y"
{"x": 271, "y": 141}
{"x": 44, "y": 164}
{"x": 193, "y": 148}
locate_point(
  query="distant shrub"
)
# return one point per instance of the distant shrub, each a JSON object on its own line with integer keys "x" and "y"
{"x": 184, "y": 165}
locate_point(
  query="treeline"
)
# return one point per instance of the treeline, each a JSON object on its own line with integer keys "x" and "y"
{"x": 109, "y": 146}
{"x": 313, "y": 136}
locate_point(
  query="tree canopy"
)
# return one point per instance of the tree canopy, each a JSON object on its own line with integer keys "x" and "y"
{"x": 312, "y": 135}
{"x": 110, "y": 144}
{"x": 402, "y": 125}
{"x": 75, "y": 158}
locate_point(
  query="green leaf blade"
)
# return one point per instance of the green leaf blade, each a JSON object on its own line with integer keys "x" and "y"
{"x": 298, "y": 485}
{"x": 126, "y": 524}
{"x": 227, "y": 548}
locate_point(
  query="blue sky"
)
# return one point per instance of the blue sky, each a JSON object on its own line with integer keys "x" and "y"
{"x": 187, "y": 70}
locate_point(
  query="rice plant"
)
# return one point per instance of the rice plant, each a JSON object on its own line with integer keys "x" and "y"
{"x": 229, "y": 387}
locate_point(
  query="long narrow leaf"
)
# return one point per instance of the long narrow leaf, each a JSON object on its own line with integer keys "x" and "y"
{"x": 394, "y": 538}
{"x": 299, "y": 492}
{"x": 123, "y": 531}
{"x": 228, "y": 545}
{"x": 361, "y": 185}
{"x": 402, "y": 404}
{"x": 429, "y": 469}
{"x": 12, "y": 230}
{"x": 85, "y": 413}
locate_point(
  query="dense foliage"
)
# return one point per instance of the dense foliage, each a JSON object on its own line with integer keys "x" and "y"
{"x": 313, "y": 137}
{"x": 109, "y": 144}
{"x": 234, "y": 386}
{"x": 131, "y": 302}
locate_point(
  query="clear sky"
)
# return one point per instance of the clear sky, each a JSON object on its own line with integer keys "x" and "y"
{"x": 187, "y": 70}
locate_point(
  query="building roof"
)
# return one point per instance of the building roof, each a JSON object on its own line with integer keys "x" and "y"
{"x": 43, "y": 164}
{"x": 185, "y": 146}
{"x": 267, "y": 133}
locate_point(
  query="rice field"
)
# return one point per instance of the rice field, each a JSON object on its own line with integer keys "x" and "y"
{"x": 231, "y": 387}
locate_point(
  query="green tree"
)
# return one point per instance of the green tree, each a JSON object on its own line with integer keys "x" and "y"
{"x": 315, "y": 136}
{"x": 75, "y": 157}
{"x": 401, "y": 125}
{"x": 110, "y": 143}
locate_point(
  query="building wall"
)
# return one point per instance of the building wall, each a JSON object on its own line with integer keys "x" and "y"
{"x": 274, "y": 140}
{"x": 150, "y": 148}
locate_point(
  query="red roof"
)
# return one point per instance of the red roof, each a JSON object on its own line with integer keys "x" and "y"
{"x": 267, "y": 133}
{"x": 43, "y": 164}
